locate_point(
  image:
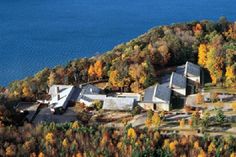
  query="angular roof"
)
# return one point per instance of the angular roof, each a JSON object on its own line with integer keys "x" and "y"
{"x": 114, "y": 103}
{"x": 90, "y": 89}
{"x": 191, "y": 69}
{"x": 163, "y": 92}
{"x": 60, "y": 98}
{"x": 53, "y": 90}
{"x": 160, "y": 91}
{"x": 148, "y": 94}
{"x": 177, "y": 81}
{"x": 45, "y": 115}
{"x": 180, "y": 69}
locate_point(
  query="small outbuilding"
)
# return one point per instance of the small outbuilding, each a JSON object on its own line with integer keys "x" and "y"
{"x": 118, "y": 104}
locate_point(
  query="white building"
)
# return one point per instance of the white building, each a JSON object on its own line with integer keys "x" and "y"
{"x": 60, "y": 96}
{"x": 157, "y": 98}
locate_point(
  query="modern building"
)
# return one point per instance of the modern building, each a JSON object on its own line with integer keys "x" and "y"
{"x": 157, "y": 97}
{"x": 173, "y": 89}
{"x": 193, "y": 74}
{"x": 60, "y": 97}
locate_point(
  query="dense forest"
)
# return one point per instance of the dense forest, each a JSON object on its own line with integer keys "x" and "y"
{"x": 134, "y": 65}
{"x": 74, "y": 139}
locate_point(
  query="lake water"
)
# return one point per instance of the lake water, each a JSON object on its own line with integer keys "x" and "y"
{"x": 39, "y": 33}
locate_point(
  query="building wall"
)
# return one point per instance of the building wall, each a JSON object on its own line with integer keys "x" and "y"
{"x": 159, "y": 106}
{"x": 181, "y": 91}
{"x": 146, "y": 106}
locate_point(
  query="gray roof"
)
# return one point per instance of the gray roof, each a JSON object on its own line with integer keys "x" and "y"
{"x": 165, "y": 78}
{"x": 163, "y": 92}
{"x": 148, "y": 94}
{"x": 160, "y": 91}
{"x": 114, "y": 103}
{"x": 86, "y": 98}
{"x": 180, "y": 69}
{"x": 45, "y": 115}
{"x": 90, "y": 89}
{"x": 177, "y": 81}
{"x": 75, "y": 94}
{"x": 192, "y": 69}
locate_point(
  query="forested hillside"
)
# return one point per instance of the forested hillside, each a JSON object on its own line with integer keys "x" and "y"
{"x": 134, "y": 65}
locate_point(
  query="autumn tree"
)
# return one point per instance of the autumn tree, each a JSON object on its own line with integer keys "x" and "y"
{"x": 198, "y": 29}
{"x": 138, "y": 75}
{"x": 26, "y": 90}
{"x": 98, "y": 69}
{"x": 199, "y": 99}
{"x": 50, "y": 139}
{"x": 231, "y": 33}
{"x": 165, "y": 55}
{"x": 131, "y": 133}
{"x": 231, "y": 75}
{"x": 91, "y": 71}
{"x": 52, "y": 79}
{"x": 11, "y": 150}
{"x": 156, "y": 120}
{"x": 214, "y": 64}
{"x": 202, "y": 55}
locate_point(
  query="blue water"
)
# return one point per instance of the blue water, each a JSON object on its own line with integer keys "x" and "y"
{"x": 39, "y": 33}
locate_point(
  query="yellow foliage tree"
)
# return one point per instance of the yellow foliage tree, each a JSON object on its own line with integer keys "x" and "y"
{"x": 215, "y": 65}
{"x": 233, "y": 154}
{"x": 49, "y": 138}
{"x": 156, "y": 119}
{"x": 148, "y": 122}
{"x": 26, "y": 90}
{"x": 65, "y": 143}
{"x": 166, "y": 144}
{"x": 131, "y": 133}
{"x": 98, "y": 69}
{"x": 231, "y": 33}
{"x": 230, "y": 75}
{"x": 51, "y": 79}
{"x": 75, "y": 125}
{"x": 173, "y": 146}
{"x": 202, "y": 55}
{"x": 211, "y": 147}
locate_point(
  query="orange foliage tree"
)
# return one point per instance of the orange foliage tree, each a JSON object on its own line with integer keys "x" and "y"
{"x": 197, "y": 29}
{"x": 91, "y": 71}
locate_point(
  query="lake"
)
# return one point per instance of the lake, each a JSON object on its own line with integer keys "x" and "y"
{"x": 43, "y": 33}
